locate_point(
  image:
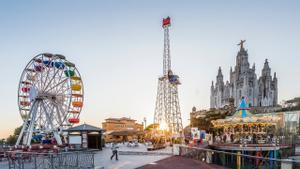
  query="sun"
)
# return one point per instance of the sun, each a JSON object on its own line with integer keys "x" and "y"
{"x": 163, "y": 125}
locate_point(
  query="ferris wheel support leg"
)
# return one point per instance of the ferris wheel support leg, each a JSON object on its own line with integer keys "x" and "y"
{"x": 21, "y": 133}
{"x": 31, "y": 125}
{"x": 57, "y": 138}
{"x": 25, "y": 127}
{"x": 55, "y": 133}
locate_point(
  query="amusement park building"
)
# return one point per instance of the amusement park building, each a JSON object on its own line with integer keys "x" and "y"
{"x": 121, "y": 129}
{"x": 259, "y": 92}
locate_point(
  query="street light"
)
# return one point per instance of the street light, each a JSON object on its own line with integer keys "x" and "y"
{"x": 145, "y": 120}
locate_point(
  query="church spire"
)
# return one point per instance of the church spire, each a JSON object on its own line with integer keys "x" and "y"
{"x": 220, "y": 76}
{"x": 220, "y": 71}
{"x": 275, "y": 77}
{"x": 266, "y": 71}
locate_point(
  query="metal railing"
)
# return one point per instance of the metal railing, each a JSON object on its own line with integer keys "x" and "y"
{"x": 238, "y": 160}
{"x": 66, "y": 160}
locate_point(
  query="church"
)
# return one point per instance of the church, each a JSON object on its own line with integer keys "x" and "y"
{"x": 243, "y": 82}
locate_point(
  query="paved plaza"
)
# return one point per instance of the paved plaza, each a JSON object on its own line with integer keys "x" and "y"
{"x": 138, "y": 158}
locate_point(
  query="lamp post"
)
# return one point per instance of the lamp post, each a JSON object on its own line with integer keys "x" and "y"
{"x": 145, "y": 120}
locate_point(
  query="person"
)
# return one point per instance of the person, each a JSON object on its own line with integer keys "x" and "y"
{"x": 224, "y": 138}
{"x": 250, "y": 139}
{"x": 114, "y": 149}
{"x": 254, "y": 139}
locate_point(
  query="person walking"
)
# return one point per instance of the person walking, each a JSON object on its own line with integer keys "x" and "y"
{"x": 114, "y": 149}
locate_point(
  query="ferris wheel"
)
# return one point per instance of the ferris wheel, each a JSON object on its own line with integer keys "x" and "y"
{"x": 50, "y": 96}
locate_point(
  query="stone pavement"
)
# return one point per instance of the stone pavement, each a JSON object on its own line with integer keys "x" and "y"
{"x": 177, "y": 162}
{"x": 130, "y": 161}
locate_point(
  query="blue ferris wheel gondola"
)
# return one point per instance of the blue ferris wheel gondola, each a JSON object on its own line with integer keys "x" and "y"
{"x": 48, "y": 63}
{"x": 59, "y": 65}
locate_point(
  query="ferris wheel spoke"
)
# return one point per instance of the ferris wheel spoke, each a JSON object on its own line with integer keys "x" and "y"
{"x": 59, "y": 107}
{"x": 59, "y": 88}
{"x": 63, "y": 81}
{"x": 42, "y": 71}
{"x": 52, "y": 81}
{"x": 49, "y": 70}
{"x": 46, "y": 79}
{"x": 60, "y": 118}
{"x": 65, "y": 107}
{"x": 55, "y": 73}
{"x": 63, "y": 91}
{"x": 66, "y": 103}
{"x": 60, "y": 76}
{"x": 64, "y": 112}
{"x": 59, "y": 80}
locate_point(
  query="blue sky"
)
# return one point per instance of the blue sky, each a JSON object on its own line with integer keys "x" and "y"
{"x": 117, "y": 46}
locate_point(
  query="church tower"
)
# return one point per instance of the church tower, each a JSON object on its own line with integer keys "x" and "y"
{"x": 267, "y": 87}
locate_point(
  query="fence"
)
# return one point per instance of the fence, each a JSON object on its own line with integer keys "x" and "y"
{"x": 3, "y": 150}
{"x": 66, "y": 160}
{"x": 238, "y": 160}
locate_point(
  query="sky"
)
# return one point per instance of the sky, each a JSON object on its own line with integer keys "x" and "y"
{"x": 117, "y": 46}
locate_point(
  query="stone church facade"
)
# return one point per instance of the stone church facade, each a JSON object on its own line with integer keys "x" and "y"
{"x": 243, "y": 82}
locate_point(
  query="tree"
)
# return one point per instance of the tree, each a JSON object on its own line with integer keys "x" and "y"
{"x": 2, "y": 141}
{"x": 17, "y": 131}
{"x": 12, "y": 139}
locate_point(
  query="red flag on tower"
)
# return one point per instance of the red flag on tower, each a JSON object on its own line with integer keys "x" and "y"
{"x": 166, "y": 21}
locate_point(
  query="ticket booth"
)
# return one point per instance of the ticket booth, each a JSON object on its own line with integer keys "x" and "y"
{"x": 85, "y": 136}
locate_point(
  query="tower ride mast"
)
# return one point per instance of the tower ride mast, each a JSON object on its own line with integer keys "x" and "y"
{"x": 167, "y": 109}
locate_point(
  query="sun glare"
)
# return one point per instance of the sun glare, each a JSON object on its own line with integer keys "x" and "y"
{"x": 163, "y": 126}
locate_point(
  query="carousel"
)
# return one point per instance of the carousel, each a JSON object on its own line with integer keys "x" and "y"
{"x": 245, "y": 128}
{"x": 248, "y": 134}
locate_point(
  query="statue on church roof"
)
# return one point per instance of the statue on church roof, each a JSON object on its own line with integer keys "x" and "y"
{"x": 242, "y": 43}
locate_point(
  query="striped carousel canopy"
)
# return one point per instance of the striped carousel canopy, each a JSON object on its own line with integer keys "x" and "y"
{"x": 243, "y": 110}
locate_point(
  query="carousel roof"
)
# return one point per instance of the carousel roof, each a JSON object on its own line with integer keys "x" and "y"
{"x": 243, "y": 110}
{"x": 244, "y": 116}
